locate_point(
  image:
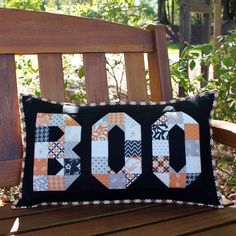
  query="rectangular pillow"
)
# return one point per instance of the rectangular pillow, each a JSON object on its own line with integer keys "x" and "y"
{"x": 118, "y": 153}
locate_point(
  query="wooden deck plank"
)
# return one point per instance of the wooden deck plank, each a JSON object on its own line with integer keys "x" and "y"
{"x": 135, "y": 76}
{"x": 219, "y": 231}
{"x": 6, "y": 212}
{"x": 117, "y": 222}
{"x": 186, "y": 225}
{"x": 32, "y": 219}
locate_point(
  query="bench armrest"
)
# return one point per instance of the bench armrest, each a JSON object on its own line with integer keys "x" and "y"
{"x": 224, "y": 132}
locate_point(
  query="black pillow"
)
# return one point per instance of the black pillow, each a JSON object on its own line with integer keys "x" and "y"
{"x": 118, "y": 153}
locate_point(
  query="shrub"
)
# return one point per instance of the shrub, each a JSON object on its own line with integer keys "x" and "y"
{"x": 223, "y": 60}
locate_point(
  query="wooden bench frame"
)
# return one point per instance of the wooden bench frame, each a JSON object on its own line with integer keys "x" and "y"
{"x": 51, "y": 35}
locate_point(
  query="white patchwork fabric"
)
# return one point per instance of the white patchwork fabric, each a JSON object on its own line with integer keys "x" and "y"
{"x": 41, "y": 150}
{"x": 131, "y": 133}
{"x": 160, "y": 148}
{"x": 68, "y": 149}
{"x": 164, "y": 177}
{"x": 193, "y": 164}
{"x": 99, "y": 148}
{"x": 72, "y": 133}
{"x": 188, "y": 119}
{"x": 40, "y": 183}
{"x": 133, "y": 165}
{"x": 57, "y": 120}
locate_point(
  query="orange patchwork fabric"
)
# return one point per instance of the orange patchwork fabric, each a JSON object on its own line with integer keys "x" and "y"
{"x": 191, "y": 131}
{"x": 43, "y": 119}
{"x": 40, "y": 166}
{"x": 103, "y": 178}
{"x": 70, "y": 121}
{"x": 56, "y": 183}
{"x": 99, "y": 132}
{"x": 116, "y": 118}
{"x": 177, "y": 180}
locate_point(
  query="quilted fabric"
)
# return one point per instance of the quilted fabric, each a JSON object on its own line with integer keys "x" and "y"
{"x": 118, "y": 153}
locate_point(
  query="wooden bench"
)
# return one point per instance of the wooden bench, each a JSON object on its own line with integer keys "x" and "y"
{"x": 49, "y": 36}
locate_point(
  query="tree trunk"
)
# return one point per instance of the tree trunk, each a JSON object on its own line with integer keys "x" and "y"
{"x": 226, "y": 12}
{"x": 173, "y": 12}
{"x": 233, "y": 9}
{"x": 162, "y": 16}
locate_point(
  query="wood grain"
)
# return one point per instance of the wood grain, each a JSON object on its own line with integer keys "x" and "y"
{"x": 159, "y": 71}
{"x": 186, "y": 225}
{"x": 10, "y": 138}
{"x": 41, "y": 32}
{"x": 51, "y": 77}
{"x": 96, "y": 77}
{"x": 10, "y": 171}
{"x": 117, "y": 222}
{"x": 224, "y": 132}
{"x": 10, "y": 134}
{"x": 228, "y": 229}
{"x": 6, "y": 212}
{"x": 135, "y": 76}
{"x": 67, "y": 215}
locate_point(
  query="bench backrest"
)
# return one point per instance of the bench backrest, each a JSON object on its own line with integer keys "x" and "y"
{"x": 51, "y": 35}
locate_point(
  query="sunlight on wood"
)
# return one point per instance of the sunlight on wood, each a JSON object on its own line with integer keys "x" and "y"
{"x": 15, "y": 226}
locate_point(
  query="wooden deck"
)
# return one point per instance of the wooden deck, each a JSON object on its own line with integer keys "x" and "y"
{"x": 126, "y": 219}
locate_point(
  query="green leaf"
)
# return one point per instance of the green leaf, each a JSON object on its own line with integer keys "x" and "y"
{"x": 192, "y": 64}
{"x": 195, "y": 54}
{"x": 228, "y": 61}
{"x": 81, "y": 72}
{"x": 206, "y": 48}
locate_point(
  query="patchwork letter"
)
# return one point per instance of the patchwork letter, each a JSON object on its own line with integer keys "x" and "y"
{"x": 160, "y": 150}
{"x": 56, "y": 165}
{"x": 133, "y": 151}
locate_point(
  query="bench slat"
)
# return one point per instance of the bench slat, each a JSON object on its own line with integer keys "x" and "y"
{"x": 159, "y": 71}
{"x": 10, "y": 138}
{"x": 41, "y": 32}
{"x": 95, "y": 77}
{"x": 10, "y": 172}
{"x": 224, "y": 132}
{"x": 51, "y": 76}
{"x": 135, "y": 76}
{"x": 186, "y": 225}
{"x": 122, "y": 220}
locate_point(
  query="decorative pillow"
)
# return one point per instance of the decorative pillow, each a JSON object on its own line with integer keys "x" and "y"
{"x": 118, "y": 153}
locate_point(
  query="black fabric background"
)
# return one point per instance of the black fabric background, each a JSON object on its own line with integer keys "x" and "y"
{"x": 147, "y": 186}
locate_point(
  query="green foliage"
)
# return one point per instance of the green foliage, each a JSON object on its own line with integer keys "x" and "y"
{"x": 27, "y": 74}
{"x": 223, "y": 60}
{"x": 74, "y": 79}
{"x": 24, "y": 4}
{"x": 120, "y": 11}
